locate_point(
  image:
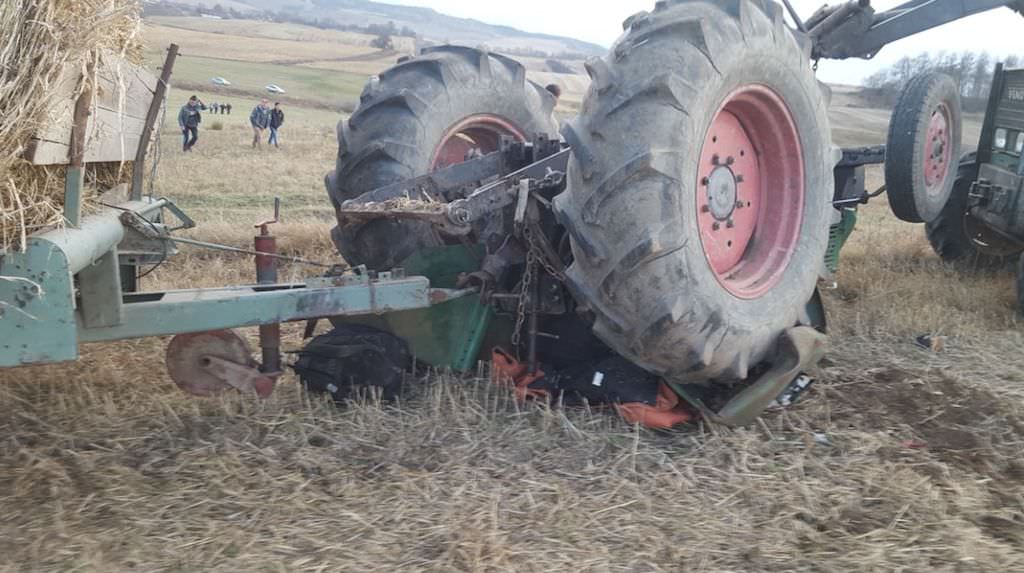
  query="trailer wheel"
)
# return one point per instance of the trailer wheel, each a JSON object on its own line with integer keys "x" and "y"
{"x": 699, "y": 188}
{"x": 958, "y": 237}
{"x": 353, "y": 357}
{"x": 423, "y": 114}
{"x": 923, "y": 143}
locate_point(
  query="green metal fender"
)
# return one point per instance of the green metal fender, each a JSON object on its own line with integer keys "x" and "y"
{"x": 454, "y": 334}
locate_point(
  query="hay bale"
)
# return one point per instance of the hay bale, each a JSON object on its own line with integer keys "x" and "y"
{"x": 39, "y": 40}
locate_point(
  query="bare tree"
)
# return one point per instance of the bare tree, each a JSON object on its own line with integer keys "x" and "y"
{"x": 982, "y": 75}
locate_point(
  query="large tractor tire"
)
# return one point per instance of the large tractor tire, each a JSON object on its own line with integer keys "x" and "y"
{"x": 923, "y": 144}
{"x": 957, "y": 237}
{"x": 699, "y": 190}
{"x": 423, "y": 114}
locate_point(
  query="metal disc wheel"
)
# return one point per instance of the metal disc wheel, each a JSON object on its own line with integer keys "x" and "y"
{"x": 476, "y": 134}
{"x": 750, "y": 209}
{"x": 188, "y": 356}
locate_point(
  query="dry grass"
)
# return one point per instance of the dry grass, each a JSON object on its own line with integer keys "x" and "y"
{"x": 40, "y": 38}
{"x": 908, "y": 466}
{"x": 900, "y": 459}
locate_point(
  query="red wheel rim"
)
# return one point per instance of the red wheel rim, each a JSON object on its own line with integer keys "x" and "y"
{"x": 937, "y": 151}
{"x": 476, "y": 133}
{"x": 750, "y": 191}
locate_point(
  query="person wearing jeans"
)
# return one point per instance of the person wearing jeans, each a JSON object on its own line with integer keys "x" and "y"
{"x": 260, "y": 120}
{"x": 276, "y": 120}
{"x": 189, "y": 119}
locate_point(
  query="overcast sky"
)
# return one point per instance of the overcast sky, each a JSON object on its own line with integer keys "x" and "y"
{"x": 999, "y": 31}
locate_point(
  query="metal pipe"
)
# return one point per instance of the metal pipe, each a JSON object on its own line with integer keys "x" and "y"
{"x": 218, "y": 247}
{"x": 266, "y": 274}
{"x": 92, "y": 239}
{"x": 796, "y": 17}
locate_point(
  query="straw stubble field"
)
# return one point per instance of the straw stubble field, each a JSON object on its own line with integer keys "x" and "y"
{"x": 899, "y": 459}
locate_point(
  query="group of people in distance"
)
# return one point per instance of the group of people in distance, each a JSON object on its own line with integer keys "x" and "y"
{"x": 262, "y": 119}
{"x": 221, "y": 108}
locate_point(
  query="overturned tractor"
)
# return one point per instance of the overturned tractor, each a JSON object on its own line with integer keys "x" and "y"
{"x": 660, "y": 252}
{"x": 679, "y": 225}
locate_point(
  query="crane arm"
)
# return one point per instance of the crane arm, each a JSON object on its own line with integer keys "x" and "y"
{"x": 854, "y": 30}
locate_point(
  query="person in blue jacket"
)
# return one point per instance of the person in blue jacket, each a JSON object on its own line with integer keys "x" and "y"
{"x": 260, "y": 120}
{"x": 189, "y": 119}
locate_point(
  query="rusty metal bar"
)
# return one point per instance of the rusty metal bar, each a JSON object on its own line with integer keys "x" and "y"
{"x": 139, "y": 167}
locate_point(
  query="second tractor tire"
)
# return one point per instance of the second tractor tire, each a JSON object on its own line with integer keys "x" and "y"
{"x": 636, "y": 208}
{"x": 923, "y": 147}
{"x": 403, "y": 117}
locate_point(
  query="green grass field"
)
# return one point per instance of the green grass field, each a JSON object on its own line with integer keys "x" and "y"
{"x": 318, "y": 87}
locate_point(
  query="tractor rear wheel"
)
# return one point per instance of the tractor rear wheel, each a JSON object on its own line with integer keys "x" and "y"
{"x": 699, "y": 189}
{"x": 957, "y": 236}
{"x": 423, "y": 114}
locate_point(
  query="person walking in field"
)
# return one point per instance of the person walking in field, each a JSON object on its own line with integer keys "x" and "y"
{"x": 189, "y": 119}
{"x": 260, "y": 120}
{"x": 228, "y": 106}
{"x": 276, "y": 121}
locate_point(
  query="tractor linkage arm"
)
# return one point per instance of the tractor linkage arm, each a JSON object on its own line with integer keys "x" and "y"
{"x": 455, "y": 197}
{"x": 854, "y": 30}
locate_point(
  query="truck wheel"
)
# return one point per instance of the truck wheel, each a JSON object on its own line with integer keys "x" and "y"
{"x": 957, "y": 236}
{"x": 426, "y": 113}
{"x": 699, "y": 188}
{"x": 923, "y": 143}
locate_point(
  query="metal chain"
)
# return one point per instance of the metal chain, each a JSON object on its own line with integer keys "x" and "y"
{"x": 540, "y": 255}
{"x": 534, "y": 254}
{"x": 524, "y": 295}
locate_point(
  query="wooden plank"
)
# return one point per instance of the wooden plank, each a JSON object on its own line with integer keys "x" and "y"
{"x": 124, "y": 92}
{"x": 110, "y": 137}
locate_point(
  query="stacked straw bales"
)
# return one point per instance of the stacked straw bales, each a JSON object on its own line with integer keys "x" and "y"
{"x": 39, "y": 39}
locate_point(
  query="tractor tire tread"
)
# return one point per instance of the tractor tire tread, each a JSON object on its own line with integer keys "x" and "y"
{"x": 628, "y": 269}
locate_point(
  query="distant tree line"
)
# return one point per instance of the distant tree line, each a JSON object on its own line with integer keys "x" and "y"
{"x": 383, "y": 32}
{"x": 971, "y": 70}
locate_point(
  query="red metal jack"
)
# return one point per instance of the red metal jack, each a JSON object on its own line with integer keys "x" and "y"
{"x": 266, "y": 274}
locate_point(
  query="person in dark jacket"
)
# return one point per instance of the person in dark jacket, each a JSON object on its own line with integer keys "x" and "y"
{"x": 276, "y": 121}
{"x": 260, "y": 120}
{"x": 189, "y": 119}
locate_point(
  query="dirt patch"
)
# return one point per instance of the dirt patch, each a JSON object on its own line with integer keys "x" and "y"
{"x": 965, "y": 425}
{"x": 953, "y": 431}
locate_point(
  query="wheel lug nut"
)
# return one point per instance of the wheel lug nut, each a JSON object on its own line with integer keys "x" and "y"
{"x": 705, "y": 209}
{"x": 740, "y": 204}
{"x": 730, "y": 224}
{"x": 715, "y": 160}
{"x": 740, "y": 179}
{"x": 730, "y": 160}
{"x": 716, "y": 226}
{"x": 705, "y": 181}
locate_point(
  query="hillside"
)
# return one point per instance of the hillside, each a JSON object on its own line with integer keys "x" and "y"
{"x": 319, "y": 68}
{"x": 428, "y": 23}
